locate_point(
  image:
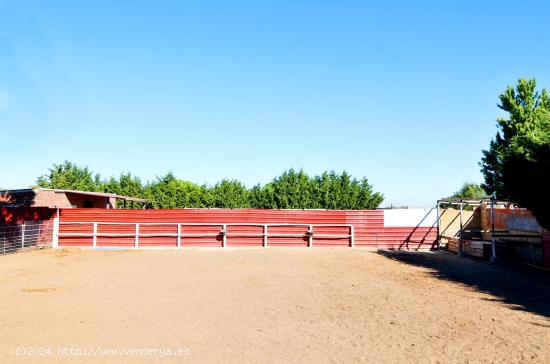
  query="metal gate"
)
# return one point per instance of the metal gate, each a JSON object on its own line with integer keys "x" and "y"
{"x": 30, "y": 234}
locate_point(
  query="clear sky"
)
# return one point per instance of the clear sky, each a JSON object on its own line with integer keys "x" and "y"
{"x": 401, "y": 92}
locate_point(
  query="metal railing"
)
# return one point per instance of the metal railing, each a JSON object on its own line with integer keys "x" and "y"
{"x": 180, "y": 235}
{"x": 29, "y": 235}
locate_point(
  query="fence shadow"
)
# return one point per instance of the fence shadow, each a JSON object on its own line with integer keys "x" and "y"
{"x": 522, "y": 288}
{"x": 409, "y": 239}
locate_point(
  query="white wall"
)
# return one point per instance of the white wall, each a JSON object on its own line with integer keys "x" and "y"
{"x": 410, "y": 217}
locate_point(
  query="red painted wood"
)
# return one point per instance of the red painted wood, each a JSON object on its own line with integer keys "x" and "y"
{"x": 18, "y": 215}
{"x": 368, "y": 224}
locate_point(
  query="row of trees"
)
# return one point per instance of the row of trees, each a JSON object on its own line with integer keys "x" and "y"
{"x": 291, "y": 190}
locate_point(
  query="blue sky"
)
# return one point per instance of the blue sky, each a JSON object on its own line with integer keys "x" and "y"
{"x": 403, "y": 93}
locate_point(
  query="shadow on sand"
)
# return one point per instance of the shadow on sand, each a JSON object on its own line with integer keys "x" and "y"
{"x": 524, "y": 288}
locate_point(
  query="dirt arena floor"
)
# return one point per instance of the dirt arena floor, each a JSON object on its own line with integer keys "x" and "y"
{"x": 273, "y": 305}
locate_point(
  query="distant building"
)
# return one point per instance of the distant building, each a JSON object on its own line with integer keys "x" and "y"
{"x": 53, "y": 199}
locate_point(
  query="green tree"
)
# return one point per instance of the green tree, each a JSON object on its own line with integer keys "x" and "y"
{"x": 368, "y": 199}
{"x": 292, "y": 190}
{"x": 470, "y": 190}
{"x": 168, "y": 192}
{"x": 229, "y": 194}
{"x": 262, "y": 197}
{"x": 517, "y": 162}
{"x": 69, "y": 176}
{"x": 341, "y": 192}
{"x": 330, "y": 190}
{"x": 525, "y": 172}
{"x": 125, "y": 185}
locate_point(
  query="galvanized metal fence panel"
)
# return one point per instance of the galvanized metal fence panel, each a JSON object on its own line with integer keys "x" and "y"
{"x": 29, "y": 235}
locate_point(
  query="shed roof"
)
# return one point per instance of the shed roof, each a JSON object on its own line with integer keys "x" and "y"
{"x": 86, "y": 193}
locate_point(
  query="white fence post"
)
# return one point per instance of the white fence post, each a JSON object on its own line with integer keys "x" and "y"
{"x": 23, "y": 235}
{"x": 265, "y": 236}
{"x": 179, "y": 236}
{"x": 136, "y": 237}
{"x": 310, "y": 236}
{"x": 94, "y": 238}
{"x": 224, "y": 236}
{"x": 55, "y": 235}
{"x": 460, "y": 241}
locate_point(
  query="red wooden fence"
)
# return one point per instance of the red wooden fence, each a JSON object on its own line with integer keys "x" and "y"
{"x": 159, "y": 228}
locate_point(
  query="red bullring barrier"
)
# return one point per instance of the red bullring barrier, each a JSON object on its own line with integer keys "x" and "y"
{"x": 414, "y": 229}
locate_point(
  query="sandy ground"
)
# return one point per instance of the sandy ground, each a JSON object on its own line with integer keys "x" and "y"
{"x": 275, "y": 305}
